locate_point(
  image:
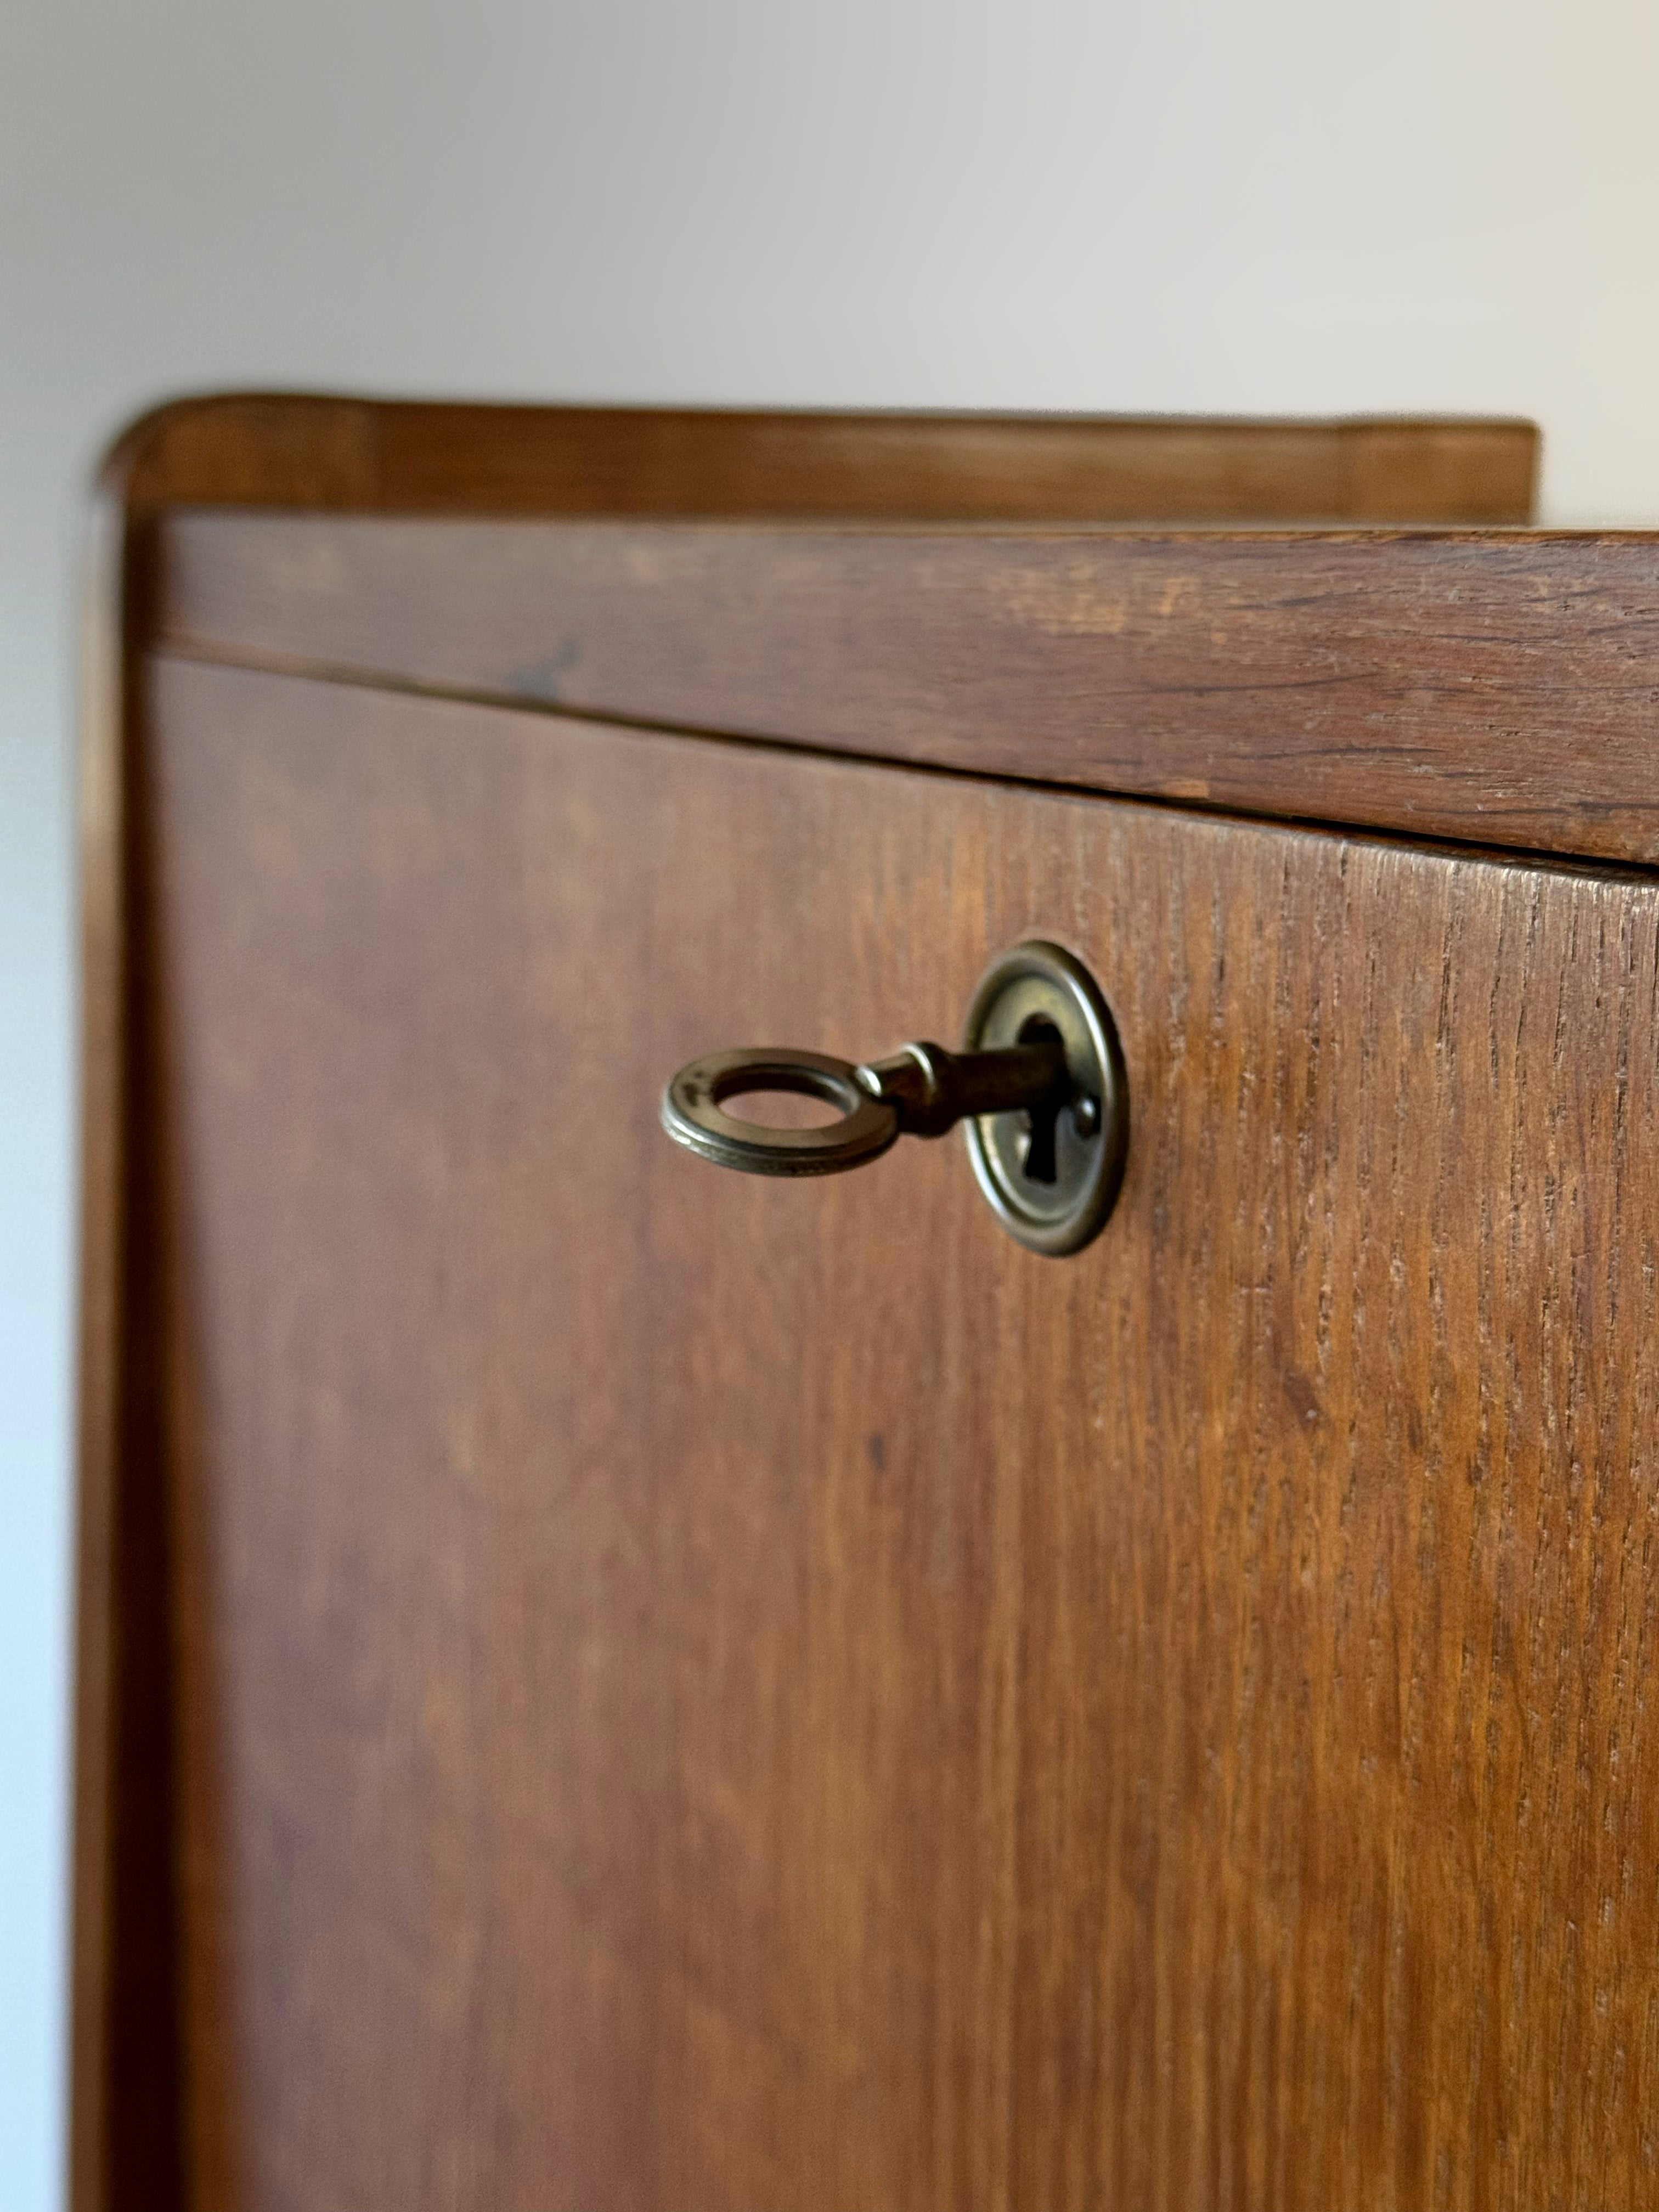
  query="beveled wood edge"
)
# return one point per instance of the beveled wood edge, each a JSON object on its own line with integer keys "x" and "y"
{"x": 332, "y": 453}
{"x": 337, "y": 453}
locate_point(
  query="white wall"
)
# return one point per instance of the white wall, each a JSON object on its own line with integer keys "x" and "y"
{"x": 1199, "y": 204}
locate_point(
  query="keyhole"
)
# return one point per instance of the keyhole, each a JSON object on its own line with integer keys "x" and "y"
{"x": 1036, "y": 1146}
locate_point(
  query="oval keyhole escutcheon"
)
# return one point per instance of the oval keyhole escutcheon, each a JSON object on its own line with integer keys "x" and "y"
{"x": 1053, "y": 1176}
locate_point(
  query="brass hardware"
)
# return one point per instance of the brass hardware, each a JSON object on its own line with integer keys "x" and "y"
{"x": 1040, "y": 1085}
{"x": 1053, "y": 1178}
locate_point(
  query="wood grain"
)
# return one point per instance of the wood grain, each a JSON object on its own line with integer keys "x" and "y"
{"x": 287, "y": 449}
{"x": 1492, "y": 689}
{"x": 696, "y": 1691}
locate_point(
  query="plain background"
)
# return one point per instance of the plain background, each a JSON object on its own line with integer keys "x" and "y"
{"x": 1206, "y": 204}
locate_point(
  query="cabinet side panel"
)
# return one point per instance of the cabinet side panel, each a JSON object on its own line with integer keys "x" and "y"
{"x": 125, "y": 2153}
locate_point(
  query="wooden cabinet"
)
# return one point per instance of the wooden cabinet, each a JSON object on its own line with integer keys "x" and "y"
{"x": 609, "y": 1683}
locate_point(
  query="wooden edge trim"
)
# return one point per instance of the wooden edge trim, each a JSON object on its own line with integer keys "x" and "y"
{"x": 388, "y": 456}
{"x": 102, "y": 1175}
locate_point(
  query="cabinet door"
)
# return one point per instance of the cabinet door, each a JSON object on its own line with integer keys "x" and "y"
{"x": 692, "y": 1691}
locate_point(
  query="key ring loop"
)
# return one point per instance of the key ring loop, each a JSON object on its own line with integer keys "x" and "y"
{"x": 693, "y": 1112}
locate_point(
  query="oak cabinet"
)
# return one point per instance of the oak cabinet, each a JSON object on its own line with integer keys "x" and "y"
{"x": 605, "y": 1682}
